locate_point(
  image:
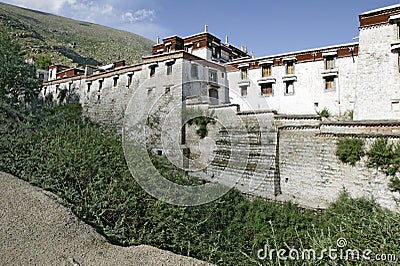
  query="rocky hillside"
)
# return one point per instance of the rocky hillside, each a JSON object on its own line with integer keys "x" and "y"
{"x": 71, "y": 42}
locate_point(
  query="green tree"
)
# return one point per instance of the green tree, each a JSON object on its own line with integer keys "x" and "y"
{"x": 43, "y": 62}
{"x": 18, "y": 83}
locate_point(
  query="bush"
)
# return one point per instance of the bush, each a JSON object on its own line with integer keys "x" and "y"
{"x": 350, "y": 150}
{"x": 19, "y": 86}
{"x": 199, "y": 118}
{"x": 381, "y": 154}
{"x": 43, "y": 62}
{"x": 324, "y": 113}
{"x": 386, "y": 157}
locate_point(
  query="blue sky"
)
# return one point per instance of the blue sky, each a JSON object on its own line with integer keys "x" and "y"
{"x": 267, "y": 27}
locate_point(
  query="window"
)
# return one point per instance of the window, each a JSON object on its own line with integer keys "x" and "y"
{"x": 169, "y": 69}
{"x": 396, "y": 106}
{"x": 129, "y": 80}
{"x": 167, "y": 89}
{"x": 215, "y": 52}
{"x": 329, "y": 83}
{"x": 222, "y": 74}
{"x": 149, "y": 90}
{"x": 213, "y": 96}
{"x": 243, "y": 90}
{"x": 88, "y": 86}
{"x": 289, "y": 87}
{"x": 398, "y": 59}
{"x": 290, "y": 68}
{"x": 194, "y": 71}
{"x": 266, "y": 71}
{"x": 189, "y": 49}
{"x": 329, "y": 62}
{"x": 398, "y": 31}
{"x": 168, "y": 48}
{"x": 152, "y": 71}
{"x": 243, "y": 73}
{"x": 100, "y": 85}
{"x": 115, "y": 81}
{"x": 266, "y": 89}
{"x": 212, "y": 76}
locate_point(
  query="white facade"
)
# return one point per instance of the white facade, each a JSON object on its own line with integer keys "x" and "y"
{"x": 302, "y": 92}
{"x": 378, "y": 77}
{"x": 362, "y": 77}
{"x": 366, "y": 78}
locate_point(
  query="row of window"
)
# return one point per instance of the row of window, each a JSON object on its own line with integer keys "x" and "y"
{"x": 266, "y": 89}
{"x": 266, "y": 70}
{"x": 115, "y": 82}
{"x": 167, "y": 89}
{"x": 212, "y": 74}
{"x": 153, "y": 70}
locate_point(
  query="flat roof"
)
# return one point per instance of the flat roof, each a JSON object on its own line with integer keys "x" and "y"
{"x": 295, "y": 52}
{"x": 380, "y": 9}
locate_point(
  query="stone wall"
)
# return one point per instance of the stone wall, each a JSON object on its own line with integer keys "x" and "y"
{"x": 239, "y": 150}
{"x": 312, "y": 175}
{"x": 290, "y": 158}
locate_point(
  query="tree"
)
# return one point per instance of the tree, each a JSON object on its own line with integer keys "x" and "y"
{"x": 43, "y": 62}
{"x": 18, "y": 83}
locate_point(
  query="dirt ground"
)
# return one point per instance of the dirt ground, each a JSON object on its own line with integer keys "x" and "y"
{"x": 36, "y": 229}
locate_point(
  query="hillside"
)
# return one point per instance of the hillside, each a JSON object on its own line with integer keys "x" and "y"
{"x": 71, "y": 42}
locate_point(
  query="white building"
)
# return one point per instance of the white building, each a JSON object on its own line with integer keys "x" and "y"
{"x": 361, "y": 77}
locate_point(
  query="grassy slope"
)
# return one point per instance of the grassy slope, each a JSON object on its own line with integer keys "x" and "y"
{"x": 43, "y": 33}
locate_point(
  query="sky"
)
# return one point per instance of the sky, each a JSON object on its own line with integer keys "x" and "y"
{"x": 267, "y": 27}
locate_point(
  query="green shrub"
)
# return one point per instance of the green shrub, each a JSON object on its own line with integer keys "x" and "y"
{"x": 381, "y": 154}
{"x": 395, "y": 183}
{"x": 43, "y": 62}
{"x": 199, "y": 118}
{"x": 324, "y": 113}
{"x": 386, "y": 157}
{"x": 351, "y": 115}
{"x": 350, "y": 150}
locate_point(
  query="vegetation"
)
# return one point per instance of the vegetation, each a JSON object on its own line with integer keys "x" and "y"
{"x": 381, "y": 154}
{"x": 199, "y": 118}
{"x": 69, "y": 41}
{"x": 351, "y": 115}
{"x": 43, "y": 62}
{"x": 350, "y": 150}
{"x": 386, "y": 157}
{"x": 324, "y": 113}
{"x": 18, "y": 83}
{"x": 83, "y": 163}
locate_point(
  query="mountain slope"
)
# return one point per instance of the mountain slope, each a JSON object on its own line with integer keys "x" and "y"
{"x": 71, "y": 42}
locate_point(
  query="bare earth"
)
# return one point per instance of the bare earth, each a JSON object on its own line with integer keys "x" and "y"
{"x": 35, "y": 229}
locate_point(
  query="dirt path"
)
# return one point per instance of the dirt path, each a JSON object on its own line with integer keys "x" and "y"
{"x": 35, "y": 229}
